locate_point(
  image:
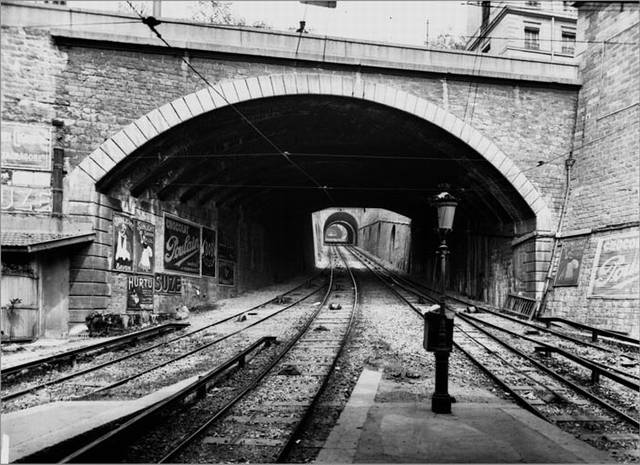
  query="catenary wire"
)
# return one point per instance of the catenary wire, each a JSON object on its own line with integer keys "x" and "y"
{"x": 287, "y": 155}
{"x": 242, "y": 116}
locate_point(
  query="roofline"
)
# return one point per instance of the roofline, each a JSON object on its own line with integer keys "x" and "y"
{"x": 481, "y": 34}
{"x": 52, "y": 244}
{"x": 81, "y": 26}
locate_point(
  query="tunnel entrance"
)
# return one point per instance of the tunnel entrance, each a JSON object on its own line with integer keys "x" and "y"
{"x": 197, "y": 166}
{"x": 337, "y": 222}
{"x": 381, "y": 232}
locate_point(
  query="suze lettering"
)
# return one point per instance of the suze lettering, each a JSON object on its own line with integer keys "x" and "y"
{"x": 179, "y": 253}
{"x": 167, "y": 284}
{"x": 25, "y": 199}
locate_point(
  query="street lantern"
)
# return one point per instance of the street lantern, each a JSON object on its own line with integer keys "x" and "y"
{"x": 446, "y": 205}
{"x": 439, "y": 325}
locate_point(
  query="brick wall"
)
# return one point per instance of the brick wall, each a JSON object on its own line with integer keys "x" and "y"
{"x": 605, "y": 177}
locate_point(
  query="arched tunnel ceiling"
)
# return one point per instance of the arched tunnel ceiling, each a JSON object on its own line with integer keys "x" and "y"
{"x": 345, "y": 219}
{"x": 367, "y": 154}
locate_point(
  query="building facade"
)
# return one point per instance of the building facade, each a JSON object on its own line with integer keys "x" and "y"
{"x": 543, "y": 30}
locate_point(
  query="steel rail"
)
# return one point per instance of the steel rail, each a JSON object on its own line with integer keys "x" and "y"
{"x": 575, "y": 358}
{"x": 90, "y": 450}
{"x": 191, "y": 352}
{"x": 595, "y": 331}
{"x": 84, "y": 371}
{"x": 286, "y": 449}
{"x": 186, "y": 441}
{"x": 520, "y": 321}
{"x": 116, "y": 342}
{"x": 520, "y": 400}
{"x": 556, "y": 375}
{"x": 547, "y": 370}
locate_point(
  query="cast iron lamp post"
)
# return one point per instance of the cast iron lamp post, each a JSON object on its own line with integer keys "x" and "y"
{"x": 441, "y": 400}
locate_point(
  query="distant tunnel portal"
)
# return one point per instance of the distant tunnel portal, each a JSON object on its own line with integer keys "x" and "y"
{"x": 340, "y": 228}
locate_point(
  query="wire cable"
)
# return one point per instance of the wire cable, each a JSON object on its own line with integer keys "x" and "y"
{"x": 151, "y": 22}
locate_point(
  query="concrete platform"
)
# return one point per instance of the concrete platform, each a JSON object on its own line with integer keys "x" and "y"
{"x": 31, "y": 430}
{"x": 481, "y": 429}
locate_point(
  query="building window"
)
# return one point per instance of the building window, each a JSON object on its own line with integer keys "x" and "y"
{"x": 568, "y": 42}
{"x": 532, "y": 38}
{"x": 566, "y": 6}
{"x": 533, "y": 4}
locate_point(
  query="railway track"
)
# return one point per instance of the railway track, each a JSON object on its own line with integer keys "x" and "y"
{"x": 11, "y": 373}
{"x": 141, "y": 369}
{"x": 563, "y": 398}
{"x": 256, "y": 412}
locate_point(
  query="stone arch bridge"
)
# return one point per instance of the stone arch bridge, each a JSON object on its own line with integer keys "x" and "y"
{"x": 288, "y": 126}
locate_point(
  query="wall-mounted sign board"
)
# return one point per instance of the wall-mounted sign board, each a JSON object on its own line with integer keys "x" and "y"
{"x": 25, "y": 146}
{"x": 616, "y": 268}
{"x": 182, "y": 241}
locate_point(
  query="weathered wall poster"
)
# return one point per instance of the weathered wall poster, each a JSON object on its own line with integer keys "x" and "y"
{"x": 143, "y": 246}
{"x": 616, "y": 268}
{"x": 570, "y": 263}
{"x": 122, "y": 243}
{"x": 139, "y": 293}
{"x": 208, "y": 252}
{"x": 226, "y": 269}
{"x": 26, "y": 199}
{"x": 181, "y": 245}
{"x": 25, "y": 146}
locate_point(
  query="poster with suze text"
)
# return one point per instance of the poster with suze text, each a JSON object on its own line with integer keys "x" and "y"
{"x": 616, "y": 270}
{"x": 181, "y": 251}
{"x": 122, "y": 243}
{"x": 208, "y": 252}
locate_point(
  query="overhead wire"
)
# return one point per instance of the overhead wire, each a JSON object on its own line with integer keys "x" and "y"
{"x": 152, "y": 23}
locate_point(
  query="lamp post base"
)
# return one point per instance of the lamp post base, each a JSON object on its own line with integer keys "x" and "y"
{"x": 441, "y": 400}
{"x": 441, "y": 403}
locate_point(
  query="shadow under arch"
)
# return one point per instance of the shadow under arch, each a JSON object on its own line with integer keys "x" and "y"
{"x": 110, "y": 153}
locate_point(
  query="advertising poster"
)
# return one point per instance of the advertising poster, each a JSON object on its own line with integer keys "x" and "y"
{"x": 181, "y": 250}
{"x": 122, "y": 243}
{"x": 225, "y": 250}
{"x": 167, "y": 284}
{"x": 616, "y": 268}
{"x": 143, "y": 246}
{"x": 227, "y": 273}
{"x": 208, "y": 252}
{"x": 570, "y": 263}
{"x": 139, "y": 293}
{"x": 26, "y": 146}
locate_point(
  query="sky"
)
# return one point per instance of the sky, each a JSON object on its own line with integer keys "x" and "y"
{"x": 402, "y": 22}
